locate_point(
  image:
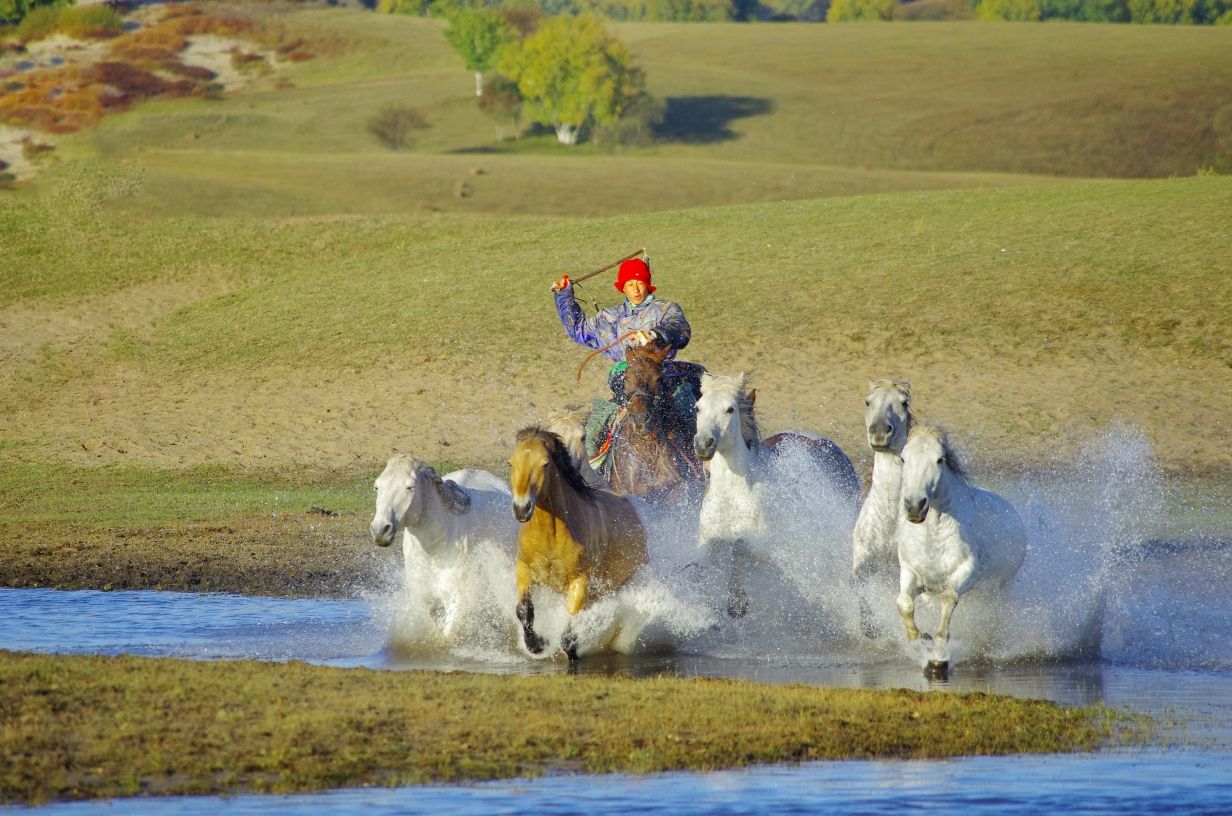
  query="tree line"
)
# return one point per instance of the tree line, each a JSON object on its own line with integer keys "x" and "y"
{"x": 1195, "y": 12}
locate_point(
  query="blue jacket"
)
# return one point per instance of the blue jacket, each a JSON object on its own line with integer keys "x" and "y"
{"x": 662, "y": 316}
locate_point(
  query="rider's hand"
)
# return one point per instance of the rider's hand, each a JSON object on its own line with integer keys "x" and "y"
{"x": 563, "y": 283}
{"x": 641, "y": 338}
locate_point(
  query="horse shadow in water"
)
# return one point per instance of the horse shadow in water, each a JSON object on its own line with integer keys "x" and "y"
{"x": 706, "y": 119}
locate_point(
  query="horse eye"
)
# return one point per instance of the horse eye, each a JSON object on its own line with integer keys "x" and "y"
{"x": 941, "y": 461}
{"x": 868, "y": 402}
{"x": 730, "y": 409}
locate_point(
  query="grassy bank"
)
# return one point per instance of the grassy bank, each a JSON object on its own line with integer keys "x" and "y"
{"x": 87, "y": 727}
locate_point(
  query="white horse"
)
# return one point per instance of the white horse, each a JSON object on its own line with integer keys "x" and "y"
{"x": 952, "y": 536}
{"x": 733, "y": 512}
{"x": 874, "y": 540}
{"x": 736, "y": 506}
{"x": 441, "y": 519}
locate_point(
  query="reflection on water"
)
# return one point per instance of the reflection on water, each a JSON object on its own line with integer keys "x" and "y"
{"x": 1124, "y": 783}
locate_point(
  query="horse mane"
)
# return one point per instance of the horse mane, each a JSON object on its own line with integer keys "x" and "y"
{"x": 558, "y": 452}
{"x": 737, "y": 389}
{"x": 898, "y": 385}
{"x": 453, "y": 495}
{"x": 951, "y": 457}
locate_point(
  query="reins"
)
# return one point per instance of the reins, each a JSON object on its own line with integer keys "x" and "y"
{"x": 599, "y": 351}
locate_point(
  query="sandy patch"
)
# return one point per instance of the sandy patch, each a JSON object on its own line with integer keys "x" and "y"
{"x": 58, "y": 50}
{"x": 12, "y": 151}
{"x": 214, "y": 53}
{"x": 350, "y": 419}
{"x": 28, "y": 329}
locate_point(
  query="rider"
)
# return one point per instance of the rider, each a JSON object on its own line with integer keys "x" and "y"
{"x": 646, "y": 319}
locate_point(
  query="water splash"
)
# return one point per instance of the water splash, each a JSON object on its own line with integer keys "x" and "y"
{"x": 1097, "y": 582}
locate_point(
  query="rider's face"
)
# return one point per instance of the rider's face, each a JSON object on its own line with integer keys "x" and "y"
{"x": 636, "y": 291}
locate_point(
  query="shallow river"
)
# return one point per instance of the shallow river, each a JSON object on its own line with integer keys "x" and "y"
{"x": 1103, "y": 611}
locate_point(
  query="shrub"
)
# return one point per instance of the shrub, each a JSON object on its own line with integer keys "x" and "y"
{"x": 86, "y": 22}
{"x": 393, "y": 125}
{"x": 1091, "y": 11}
{"x": 80, "y": 23}
{"x": 1174, "y": 11}
{"x": 503, "y": 103}
{"x": 935, "y": 10}
{"x": 845, "y": 11}
{"x": 416, "y": 7}
{"x": 38, "y": 24}
{"x": 249, "y": 63}
{"x": 1011, "y": 10}
{"x": 636, "y": 125}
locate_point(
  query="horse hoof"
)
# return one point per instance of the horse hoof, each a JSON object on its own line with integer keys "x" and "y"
{"x": 737, "y": 609}
{"x": 870, "y": 629}
{"x": 569, "y": 644}
{"x": 534, "y": 644}
{"x": 937, "y": 670}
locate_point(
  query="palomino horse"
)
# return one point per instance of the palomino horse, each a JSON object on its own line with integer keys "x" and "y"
{"x": 650, "y": 451}
{"x": 952, "y": 536}
{"x": 574, "y": 539}
{"x": 734, "y": 508}
{"x": 874, "y": 541}
{"x": 443, "y": 517}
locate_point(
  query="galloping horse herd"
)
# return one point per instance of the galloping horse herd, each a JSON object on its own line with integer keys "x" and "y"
{"x": 920, "y": 518}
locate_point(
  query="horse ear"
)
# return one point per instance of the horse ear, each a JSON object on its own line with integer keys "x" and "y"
{"x": 753, "y": 396}
{"x": 872, "y": 385}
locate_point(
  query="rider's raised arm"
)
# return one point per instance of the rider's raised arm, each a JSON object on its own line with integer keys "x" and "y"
{"x": 589, "y": 332}
{"x": 673, "y": 327}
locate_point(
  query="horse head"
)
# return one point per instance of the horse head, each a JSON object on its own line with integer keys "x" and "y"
{"x": 539, "y": 458}
{"x": 887, "y": 415}
{"x": 928, "y": 461}
{"x": 724, "y": 415}
{"x": 643, "y": 377}
{"x": 399, "y": 499}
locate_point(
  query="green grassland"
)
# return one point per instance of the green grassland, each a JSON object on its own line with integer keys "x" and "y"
{"x": 82, "y": 727}
{"x": 756, "y": 113}
{"x": 860, "y": 201}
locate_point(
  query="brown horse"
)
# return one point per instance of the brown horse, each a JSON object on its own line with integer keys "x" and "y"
{"x": 575, "y": 539}
{"x": 652, "y": 444}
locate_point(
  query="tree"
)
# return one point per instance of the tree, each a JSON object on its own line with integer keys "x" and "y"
{"x": 14, "y": 10}
{"x": 845, "y": 11}
{"x": 571, "y": 73}
{"x": 1012, "y": 10}
{"x": 477, "y": 34}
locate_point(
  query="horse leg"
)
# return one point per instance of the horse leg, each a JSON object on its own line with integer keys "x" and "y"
{"x": 737, "y": 598}
{"x": 908, "y": 588}
{"x": 936, "y": 668}
{"x": 949, "y": 600}
{"x": 526, "y": 610}
{"x": 575, "y": 599}
{"x": 861, "y": 579}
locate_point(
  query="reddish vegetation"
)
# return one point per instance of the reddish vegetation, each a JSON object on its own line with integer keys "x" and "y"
{"x": 66, "y": 99}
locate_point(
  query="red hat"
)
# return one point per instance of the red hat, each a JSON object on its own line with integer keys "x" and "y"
{"x": 633, "y": 269}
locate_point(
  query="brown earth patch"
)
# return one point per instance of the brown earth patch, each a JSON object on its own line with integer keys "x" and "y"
{"x": 287, "y": 555}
